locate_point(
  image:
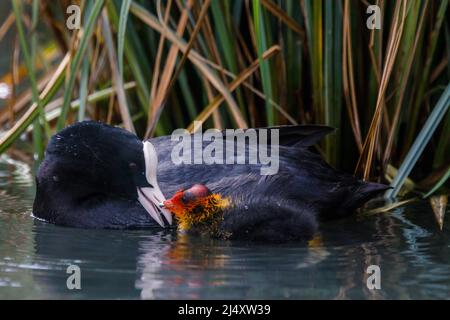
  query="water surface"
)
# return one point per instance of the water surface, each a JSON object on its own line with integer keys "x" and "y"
{"x": 413, "y": 255}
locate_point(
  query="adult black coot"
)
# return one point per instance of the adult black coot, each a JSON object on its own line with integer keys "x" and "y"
{"x": 98, "y": 176}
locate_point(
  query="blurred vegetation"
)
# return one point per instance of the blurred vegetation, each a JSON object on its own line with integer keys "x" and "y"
{"x": 153, "y": 66}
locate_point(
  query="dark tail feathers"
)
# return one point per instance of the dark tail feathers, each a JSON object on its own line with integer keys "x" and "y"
{"x": 363, "y": 193}
{"x": 301, "y": 135}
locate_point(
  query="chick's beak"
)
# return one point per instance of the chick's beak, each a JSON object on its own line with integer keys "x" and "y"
{"x": 168, "y": 204}
{"x": 151, "y": 197}
{"x": 177, "y": 210}
{"x": 175, "y": 204}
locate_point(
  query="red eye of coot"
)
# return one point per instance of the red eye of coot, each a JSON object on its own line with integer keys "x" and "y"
{"x": 132, "y": 165}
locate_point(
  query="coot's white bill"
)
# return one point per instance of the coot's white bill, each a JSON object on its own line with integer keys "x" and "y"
{"x": 151, "y": 197}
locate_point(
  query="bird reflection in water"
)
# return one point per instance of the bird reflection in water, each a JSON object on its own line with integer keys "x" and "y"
{"x": 182, "y": 263}
{"x": 190, "y": 267}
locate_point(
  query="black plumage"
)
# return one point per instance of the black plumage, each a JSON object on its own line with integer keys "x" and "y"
{"x": 91, "y": 170}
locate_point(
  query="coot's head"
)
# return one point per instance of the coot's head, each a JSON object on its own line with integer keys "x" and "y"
{"x": 88, "y": 165}
{"x": 198, "y": 210}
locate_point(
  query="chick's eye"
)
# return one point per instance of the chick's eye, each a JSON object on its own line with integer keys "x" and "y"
{"x": 187, "y": 197}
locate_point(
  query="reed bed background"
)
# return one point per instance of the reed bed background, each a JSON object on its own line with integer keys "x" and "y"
{"x": 154, "y": 66}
